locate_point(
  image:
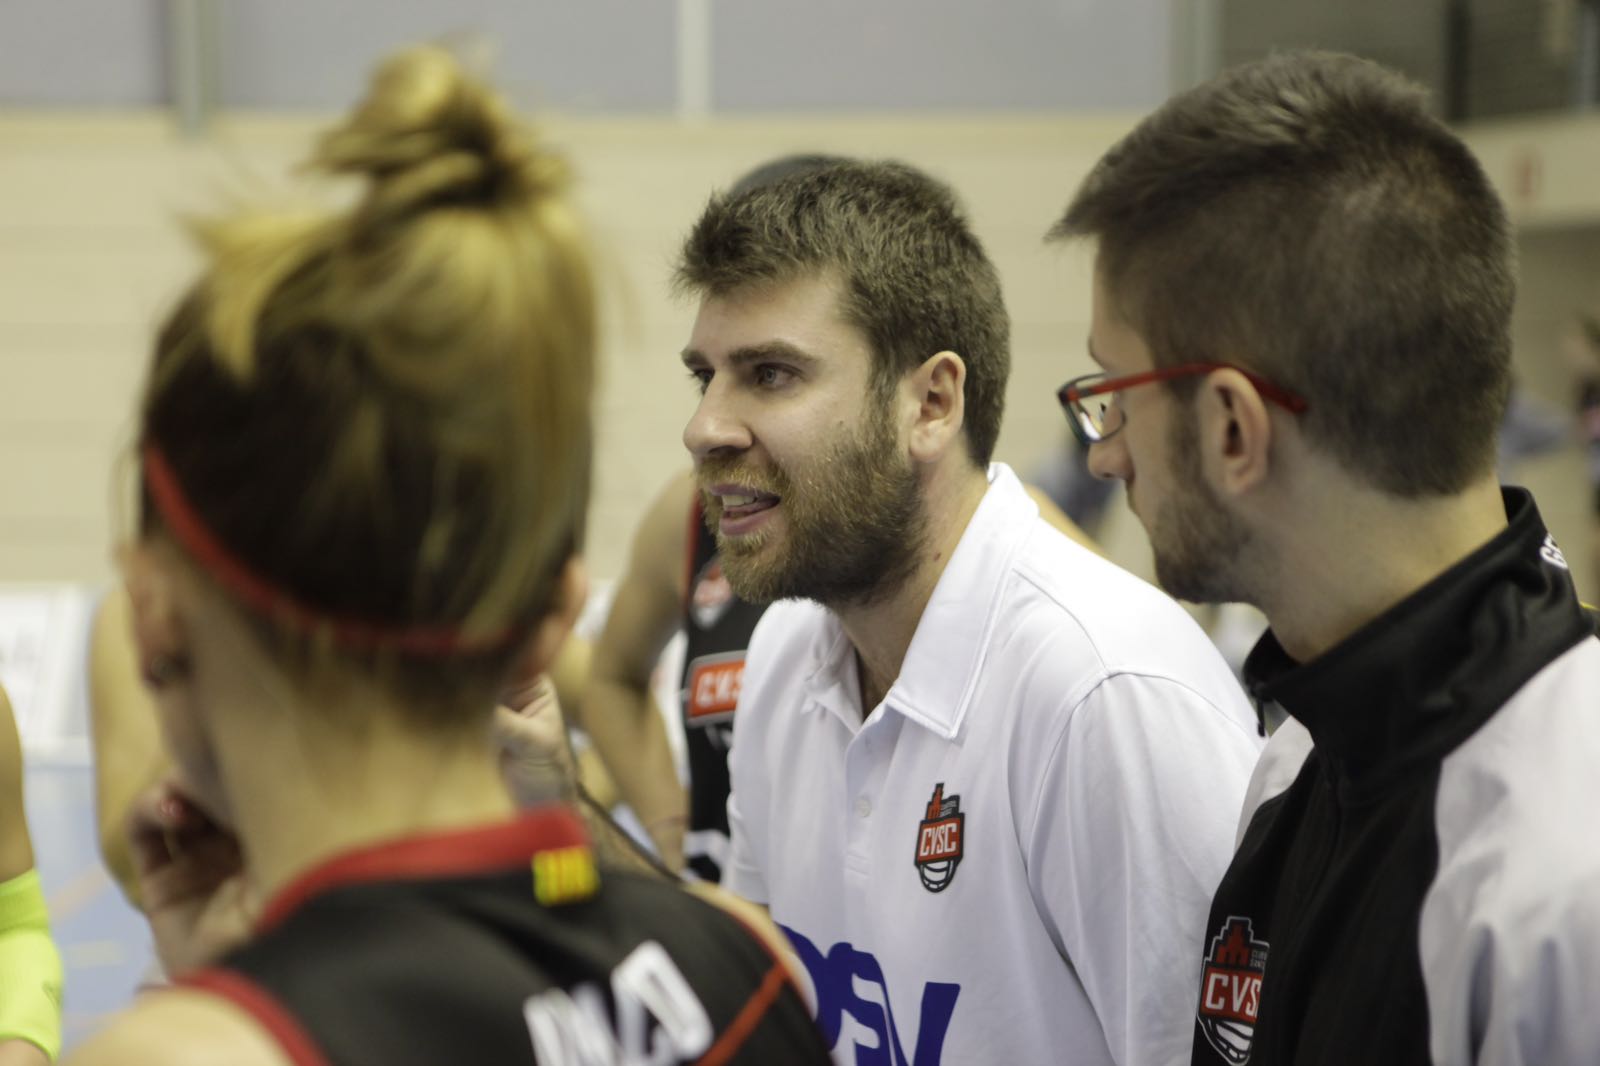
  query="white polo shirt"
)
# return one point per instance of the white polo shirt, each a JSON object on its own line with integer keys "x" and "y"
{"x": 1013, "y": 858}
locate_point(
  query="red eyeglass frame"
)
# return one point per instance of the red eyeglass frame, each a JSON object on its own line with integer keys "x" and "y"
{"x": 1073, "y": 392}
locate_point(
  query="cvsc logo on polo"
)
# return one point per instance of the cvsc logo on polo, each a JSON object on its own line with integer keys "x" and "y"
{"x": 1230, "y": 989}
{"x": 939, "y": 840}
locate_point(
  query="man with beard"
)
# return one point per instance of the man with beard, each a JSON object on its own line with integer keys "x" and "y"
{"x": 985, "y": 779}
{"x": 1302, "y": 305}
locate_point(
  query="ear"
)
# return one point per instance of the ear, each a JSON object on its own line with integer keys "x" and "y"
{"x": 1235, "y": 429}
{"x": 937, "y": 389}
{"x": 572, "y": 589}
{"x": 160, "y": 635}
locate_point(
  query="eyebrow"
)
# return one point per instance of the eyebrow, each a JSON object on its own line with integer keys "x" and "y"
{"x": 755, "y": 353}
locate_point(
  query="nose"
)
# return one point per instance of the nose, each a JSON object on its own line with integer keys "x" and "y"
{"x": 1110, "y": 459}
{"x": 715, "y": 426}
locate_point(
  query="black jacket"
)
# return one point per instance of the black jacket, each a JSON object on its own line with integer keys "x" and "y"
{"x": 1426, "y": 888}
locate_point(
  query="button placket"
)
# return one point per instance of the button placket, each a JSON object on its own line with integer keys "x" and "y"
{"x": 860, "y": 798}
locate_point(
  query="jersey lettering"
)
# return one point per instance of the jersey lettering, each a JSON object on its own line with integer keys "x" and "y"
{"x": 1552, "y": 554}
{"x": 1230, "y": 989}
{"x": 942, "y": 841}
{"x": 658, "y": 1020}
{"x": 849, "y": 987}
{"x": 1232, "y": 995}
{"x": 712, "y": 692}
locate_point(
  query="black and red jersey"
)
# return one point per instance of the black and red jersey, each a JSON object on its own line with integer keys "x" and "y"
{"x": 505, "y": 945}
{"x": 718, "y": 626}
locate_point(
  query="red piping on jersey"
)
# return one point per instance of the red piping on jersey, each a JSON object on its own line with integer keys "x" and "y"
{"x": 749, "y": 1016}
{"x": 454, "y": 853}
{"x": 760, "y": 1001}
{"x": 267, "y": 599}
{"x": 257, "y": 1002}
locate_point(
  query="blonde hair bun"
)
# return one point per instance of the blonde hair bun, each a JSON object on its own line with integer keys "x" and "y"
{"x": 427, "y": 133}
{"x": 416, "y": 370}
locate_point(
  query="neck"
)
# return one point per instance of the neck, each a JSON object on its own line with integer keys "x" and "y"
{"x": 881, "y": 630}
{"x": 303, "y": 791}
{"x": 1351, "y": 555}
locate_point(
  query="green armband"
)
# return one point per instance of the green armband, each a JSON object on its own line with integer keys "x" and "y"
{"x": 30, "y": 967}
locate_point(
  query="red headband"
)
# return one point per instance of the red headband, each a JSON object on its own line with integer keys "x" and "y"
{"x": 261, "y": 596}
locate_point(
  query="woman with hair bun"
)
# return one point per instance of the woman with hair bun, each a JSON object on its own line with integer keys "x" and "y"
{"x": 364, "y": 458}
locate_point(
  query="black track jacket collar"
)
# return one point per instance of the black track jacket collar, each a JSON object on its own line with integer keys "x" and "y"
{"x": 1422, "y": 677}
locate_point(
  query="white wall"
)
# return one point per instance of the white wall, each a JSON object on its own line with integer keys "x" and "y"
{"x": 1544, "y": 169}
{"x": 609, "y": 56}
{"x": 90, "y": 255}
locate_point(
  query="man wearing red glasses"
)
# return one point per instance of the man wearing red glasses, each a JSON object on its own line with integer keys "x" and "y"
{"x": 1302, "y": 306}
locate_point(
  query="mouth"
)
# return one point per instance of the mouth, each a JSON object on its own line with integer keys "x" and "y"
{"x": 739, "y": 505}
{"x": 741, "y": 509}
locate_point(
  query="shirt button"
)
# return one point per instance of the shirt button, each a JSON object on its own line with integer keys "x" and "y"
{"x": 863, "y": 807}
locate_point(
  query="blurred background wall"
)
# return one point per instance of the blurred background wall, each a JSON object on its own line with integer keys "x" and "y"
{"x": 115, "y": 119}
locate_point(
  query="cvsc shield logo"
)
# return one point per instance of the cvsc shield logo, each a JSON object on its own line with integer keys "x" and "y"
{"x": 1230, "y": 989}
{"x": 939, "y": 839}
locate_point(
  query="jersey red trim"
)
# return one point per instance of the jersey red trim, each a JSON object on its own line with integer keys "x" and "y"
{"x": 760, "y": 1001}
{"x": 484, "y": 849}
{"x": 284, "y": 1028}
{"x": 749, "y": 1016}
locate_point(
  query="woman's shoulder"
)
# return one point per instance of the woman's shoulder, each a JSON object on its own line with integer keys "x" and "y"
{"x": 180, "y": 1027}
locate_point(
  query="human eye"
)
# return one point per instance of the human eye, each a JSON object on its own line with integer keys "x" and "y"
{"x": 773, "y": 375}
{"x": 701, "y": 376}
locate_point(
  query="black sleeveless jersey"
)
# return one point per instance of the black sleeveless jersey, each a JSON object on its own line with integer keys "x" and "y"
{"x": 718, "y": 625}
{"x": 504, "y": 945}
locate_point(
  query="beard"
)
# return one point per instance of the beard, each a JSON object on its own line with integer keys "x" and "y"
{"x": 853, "y": 523}
{"x": 1200, "y": 546}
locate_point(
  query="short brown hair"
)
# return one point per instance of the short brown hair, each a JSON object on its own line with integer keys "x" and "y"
{"x": 382, "y": 414}
{"x": 916, "y": 280}
{"x": 1306, "y": 215}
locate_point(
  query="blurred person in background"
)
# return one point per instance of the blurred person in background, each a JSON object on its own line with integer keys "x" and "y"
{"x": 1063, "y": 475}
{"x": 1302, "y": 310}
{"x": 363, "y": 458}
